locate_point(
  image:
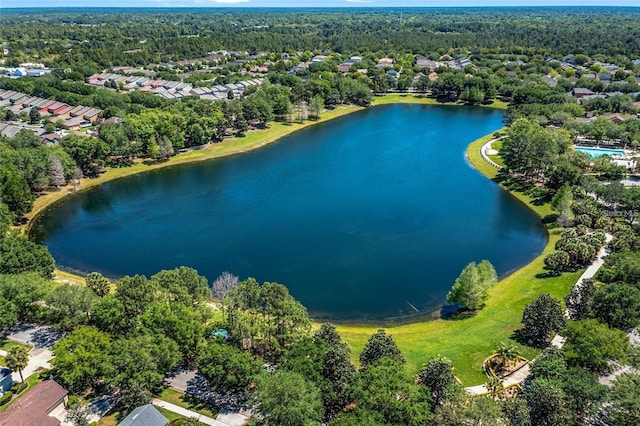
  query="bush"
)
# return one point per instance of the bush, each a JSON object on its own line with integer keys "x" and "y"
{"x": 72, "y": 400}
{"x": 6, "y": 398}
{"x": 19, "y": 388}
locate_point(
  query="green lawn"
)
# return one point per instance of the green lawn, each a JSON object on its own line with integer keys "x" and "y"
{"x": 185, "y": 401}
{"x": 467, "y": 342}
{"x": 5, "y": 345}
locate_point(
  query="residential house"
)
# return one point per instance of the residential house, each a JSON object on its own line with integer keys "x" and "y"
{"x": 385, "y": 63}
{"x": 145, "y": 415}
{"x": 42, "y": 406}
{"x": 344, "y": 68}
{"x": 5, "y": 380}
{"x": 580, "y": 92}
{"x": 604, "y": 77}
{"x": 50, "y": 138}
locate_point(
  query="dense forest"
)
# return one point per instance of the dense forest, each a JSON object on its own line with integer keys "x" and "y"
{"x": 98, "y": 38}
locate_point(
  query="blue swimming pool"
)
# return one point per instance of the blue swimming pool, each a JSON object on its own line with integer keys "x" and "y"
{"x": 598, "y": 152}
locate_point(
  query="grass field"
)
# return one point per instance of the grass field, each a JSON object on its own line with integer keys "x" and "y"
{"x": 467, "y": 342}
{"x": 185, "y": 401}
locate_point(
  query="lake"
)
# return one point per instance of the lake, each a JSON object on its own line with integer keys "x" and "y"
{"x": 366, "y": 217}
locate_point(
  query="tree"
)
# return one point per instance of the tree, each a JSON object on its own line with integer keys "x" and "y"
{"x": 17, "y": 359}
{"x": 437, "y": 375}
{"x": 183, "y": 284}
{"x": 584, "y": 394}
{"x": 625, "y": 400}
{"x": 470, "y": 289}
{"x": 136, "y": 293}
{"x": 516, "y": 411}
{"x": 285, "y": 398}
{"x": 81, "y": 358}
{"x": 542, "y": 317}
{"x": 495, "y": 387}
{"x": 89, "y": 153}
{"x": 579, "y": 300}
{"x": 225, "y": 282}
{"x": 6, "y": 219}
{"x": 70, "y": 305}
{"x": 378, "y": 346}
{"x": 506, "y": 353}
{"x": 557, "y": 261}
{"x": 56, "y": 173}
{"x": 561, "y": 202}
{"x": 142, "y": 361}
{"x": 8, "y": 314}
{"x": 317, "y": 104}
{"x": 165, "y": 149}
{"x": 34, "y": 116}
{"x": 546, "y": 403}
{"x": 591, "y": 344}
{"x": 227, "y": 367}
{"x": 618, "y": 305}
{"x": 14, "y": 191}
{"x": 383, "y": 394}
{"x": 98, "y": 284}
{"x": 18, "y": 254}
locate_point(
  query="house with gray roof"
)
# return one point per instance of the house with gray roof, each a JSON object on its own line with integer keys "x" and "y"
{"x": 145, "y": 415}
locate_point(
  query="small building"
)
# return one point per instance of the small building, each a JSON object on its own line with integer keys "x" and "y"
{"x": 5, "y": 380}
{"x": 580, "y": 92}
{"x": 344, "y": 68}
{"x": 41, "y": 406}
{"x": 145, "y": 415}
{"x": 385, "y": 63}
{"x": 393, "y": 73}
{"x": 604, "y": 76}
{"x": 50, "y": 138}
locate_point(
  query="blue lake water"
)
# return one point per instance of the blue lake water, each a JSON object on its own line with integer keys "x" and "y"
{"x": 365, "y": 217}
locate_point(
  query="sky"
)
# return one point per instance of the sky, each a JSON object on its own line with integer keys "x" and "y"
{"x": 309, "y": 3}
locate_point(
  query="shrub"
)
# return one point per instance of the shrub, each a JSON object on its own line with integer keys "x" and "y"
{"x": 6, "y": 398}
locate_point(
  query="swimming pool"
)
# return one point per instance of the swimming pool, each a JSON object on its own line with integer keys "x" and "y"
{"x": 597, "y": 152}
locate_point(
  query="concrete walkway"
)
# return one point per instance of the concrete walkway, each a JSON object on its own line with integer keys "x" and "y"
{"x": 558, "y": 341}
{"x": 186, "y": 413}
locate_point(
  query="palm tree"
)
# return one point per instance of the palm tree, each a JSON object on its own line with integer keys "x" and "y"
{"x": 506, "y": 353}
{"x": 495, "y": 387}
{"x": 17, "y": 359}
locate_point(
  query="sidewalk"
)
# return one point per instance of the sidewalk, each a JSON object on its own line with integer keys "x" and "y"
{"x": 186, "y": 413}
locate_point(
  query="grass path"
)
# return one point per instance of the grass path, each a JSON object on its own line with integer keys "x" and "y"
{"x": 467, "y": 342}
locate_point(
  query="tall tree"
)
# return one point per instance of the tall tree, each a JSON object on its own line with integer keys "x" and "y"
{"x": 98, "y": 284}
{"x": 380, "y": 345}
{"x": 17, "y": 359}
{"x": 470, "y": 289}
{"x": 542, "y": 317}
{"x": 437, "y": 375}
{"x": 285, "y": 398}
{"x": 56, "y": 173}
